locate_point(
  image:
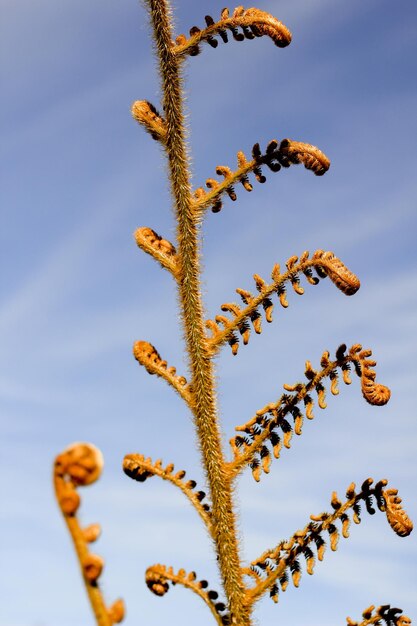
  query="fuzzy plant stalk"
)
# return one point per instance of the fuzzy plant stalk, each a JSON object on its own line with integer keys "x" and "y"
{"x": 203, "y": 404}
{"x": 264, "y": 435}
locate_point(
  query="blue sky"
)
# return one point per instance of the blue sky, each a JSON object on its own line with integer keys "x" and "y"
{"x": 79, "y": 176}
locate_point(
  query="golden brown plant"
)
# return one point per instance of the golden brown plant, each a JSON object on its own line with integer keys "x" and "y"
{"x": 80, "y": 465}
{"x": 261, "y": 438}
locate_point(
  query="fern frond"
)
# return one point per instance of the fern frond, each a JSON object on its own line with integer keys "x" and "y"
{"x": 283, "y": 560}
{"x": 160, "y": 249}
{"x": 391, "y": 616}
{"x": 253, "y": 22}
{"x": 149, "y": 357}
{"x": 270, "y": 424}
{"x": 325, "y": 264}
{"x": 159, "y": 576}
{"x": 275, "y": 156}
{"x": 139, "y": 468}
{"x": 79, "y": 465}
{"x": 147, "y": 115}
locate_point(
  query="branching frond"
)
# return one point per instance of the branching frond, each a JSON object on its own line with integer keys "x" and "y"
{"x": 139, "y": 468}
{"x": 275, "y": 156}
{"x": 253, "y": 23}
{"x": 149, "y": 357}
{"x": 79, "y": 465}
{"x": 270, "y": 424}
{"x": 275, "y": 567}
{"x": 386, "y": 614}
{"x": 324, "y": 263}
{"x": 158, "y": 577}
{"x": 146, "y": 114}
{"x": 161, "y": 249}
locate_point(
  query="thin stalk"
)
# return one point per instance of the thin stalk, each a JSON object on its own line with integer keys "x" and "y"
{"x": 203, "y": 381}
{"x": 100, "y": 610}
{"x": 98, "y": 606}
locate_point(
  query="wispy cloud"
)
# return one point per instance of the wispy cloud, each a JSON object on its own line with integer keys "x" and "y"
{"x": 71, "y": 110}
{"x": 62, "y": 267}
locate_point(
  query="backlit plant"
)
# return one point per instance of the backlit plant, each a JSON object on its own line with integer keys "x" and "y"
{"x": 261, "y": 438}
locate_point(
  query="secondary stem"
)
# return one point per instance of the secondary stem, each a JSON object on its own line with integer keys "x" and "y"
{"x": 204, "y": 397}
{"x": 93, "y": 590}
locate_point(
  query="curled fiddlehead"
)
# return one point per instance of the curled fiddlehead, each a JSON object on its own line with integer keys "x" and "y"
{"x": 139, "y": 468}
{"x": 396, "y": 516}
{"x": 269, "y": 429}
{"x": 252, "y": 22}
{"x": 160, "y": 249}
{"x": 275, "y": 157}
{"x": 149, "y": 357}
{"x": 80, "y": 465}
{"x": 273, "y": 570}
{"x": 159, "y": 576}
{"x": 224, "y": 329}
{"x": 148, "y": 116}
{"x": 297, "y": 152}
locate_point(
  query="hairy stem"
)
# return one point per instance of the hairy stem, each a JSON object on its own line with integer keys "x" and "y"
{"x": 202, "y": 384}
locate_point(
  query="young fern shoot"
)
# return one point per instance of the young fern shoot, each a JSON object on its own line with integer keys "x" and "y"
{"x": 80, "y": 465}
{"x": 264, "y": 434}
